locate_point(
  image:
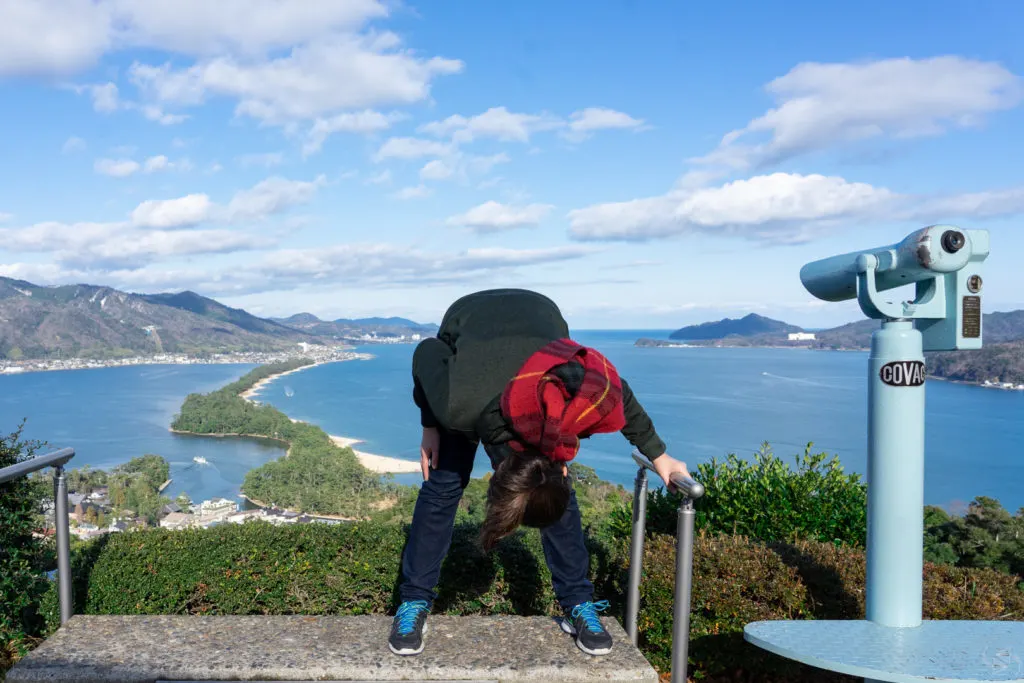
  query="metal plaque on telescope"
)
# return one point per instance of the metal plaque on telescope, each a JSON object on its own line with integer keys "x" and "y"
{"x": 972, "y": 317}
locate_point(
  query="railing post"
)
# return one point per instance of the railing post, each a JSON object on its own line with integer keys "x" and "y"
{"x": 636, "y": 554}
{"x": 684, "y": 583}
{"x": 691, "y": 490}
{"x": 60, "y": 511}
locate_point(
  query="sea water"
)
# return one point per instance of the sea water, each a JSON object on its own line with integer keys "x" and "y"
{"x": 704, "y": 402}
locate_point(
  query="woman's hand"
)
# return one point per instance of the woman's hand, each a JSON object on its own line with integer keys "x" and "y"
{"x": 430, "y": 445}
{"x": 666, "y": 466}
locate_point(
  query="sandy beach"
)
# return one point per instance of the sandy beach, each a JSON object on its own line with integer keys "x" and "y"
{"x": 380, "y": 464}
{"x": 249, "y": 393}
{"x": 377, "y": 463}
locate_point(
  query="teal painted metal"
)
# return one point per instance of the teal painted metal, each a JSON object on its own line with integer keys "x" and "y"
{"x": 895, "y": 479}
{"x": 944, "y": 264}
{"x": 935, "y": 651}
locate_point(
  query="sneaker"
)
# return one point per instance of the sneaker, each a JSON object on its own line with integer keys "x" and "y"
{"x": 582, "y": 621}
{"x": 408, "y": 628}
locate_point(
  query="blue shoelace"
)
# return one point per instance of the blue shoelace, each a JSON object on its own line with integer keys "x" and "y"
{"x": 589, "y": 610}
{"x": 407, "y": 615}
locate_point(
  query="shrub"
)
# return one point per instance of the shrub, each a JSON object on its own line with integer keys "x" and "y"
{"x": 767, "y": 500}
{"x": 258, "y": 568}
{"x": 21, "y": 554}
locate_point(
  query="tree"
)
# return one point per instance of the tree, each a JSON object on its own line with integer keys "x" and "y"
{"x": 21, "y": 554}
{"x": 15, "y": 353}
{"x": 184, "y": 502}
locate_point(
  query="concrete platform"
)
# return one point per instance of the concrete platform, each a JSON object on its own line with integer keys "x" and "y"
{"x": 148, "y": 649}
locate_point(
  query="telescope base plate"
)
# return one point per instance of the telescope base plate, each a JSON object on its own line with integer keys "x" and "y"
{"x": 962, "y": 651}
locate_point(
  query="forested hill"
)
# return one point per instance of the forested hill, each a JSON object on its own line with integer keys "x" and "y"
{"x": 1000, "y": 360}
{"x": 92, "y": 321}
{"x": 101, "y": 322}
{"x": 749, "y": 326}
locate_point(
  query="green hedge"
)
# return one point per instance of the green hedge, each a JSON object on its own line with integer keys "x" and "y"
{"x": 258, "y": 568}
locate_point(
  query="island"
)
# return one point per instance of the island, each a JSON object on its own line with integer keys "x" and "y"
{"x": 998, "y": 364}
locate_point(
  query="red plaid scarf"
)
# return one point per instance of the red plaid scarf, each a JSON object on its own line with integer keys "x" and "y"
{"x": 543, "y": 414}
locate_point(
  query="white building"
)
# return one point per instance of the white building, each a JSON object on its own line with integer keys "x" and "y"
{"x": 177, "y": 520}
{"x": 217, "y": 506}
{"x": 801, "y": 336}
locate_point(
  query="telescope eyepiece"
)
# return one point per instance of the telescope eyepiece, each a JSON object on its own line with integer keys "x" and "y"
{"x": 953, "y": 241}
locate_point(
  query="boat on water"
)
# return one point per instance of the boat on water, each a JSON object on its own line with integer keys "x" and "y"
{"x": 288, "y": 392}
{"x": 201, "y": 460}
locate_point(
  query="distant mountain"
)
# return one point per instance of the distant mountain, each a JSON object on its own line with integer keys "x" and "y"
{"x": 997, "y": 328}
{"x": 208, "y": 308}
{"x": 386, "y": 322}
{"x": 1000, "y": 360}
{"x": 348, "y": 328}
{"x": 298, "y": 319}
{"x": 102, "y": 322}
{"x": 749, "y": 326}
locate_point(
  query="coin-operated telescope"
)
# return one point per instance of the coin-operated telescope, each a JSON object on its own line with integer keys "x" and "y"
{"x": 894, "y": 643}
{"x": 945, "y": 264}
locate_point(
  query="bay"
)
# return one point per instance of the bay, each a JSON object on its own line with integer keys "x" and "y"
{"x": 704, "y": 402}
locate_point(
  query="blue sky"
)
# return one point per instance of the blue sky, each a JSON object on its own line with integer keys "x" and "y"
{"x": 645, "y": 164}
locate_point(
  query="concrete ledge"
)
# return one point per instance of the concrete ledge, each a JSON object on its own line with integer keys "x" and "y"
{"x": 147, "y": 649}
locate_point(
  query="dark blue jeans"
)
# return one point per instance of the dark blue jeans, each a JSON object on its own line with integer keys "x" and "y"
{"x": 434, "y": 517}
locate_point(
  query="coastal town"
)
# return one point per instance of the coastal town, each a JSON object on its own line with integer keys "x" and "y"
{"x": 315, "y": 352}
{"x": 92, "y": 515}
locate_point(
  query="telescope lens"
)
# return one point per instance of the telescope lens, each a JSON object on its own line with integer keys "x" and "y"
{"x": 953, "y": 241}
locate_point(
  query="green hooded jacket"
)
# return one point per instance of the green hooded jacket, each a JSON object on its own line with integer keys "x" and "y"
{"x": 483, "y": 340}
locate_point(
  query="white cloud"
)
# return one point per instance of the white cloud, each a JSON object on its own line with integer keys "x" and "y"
{"x": 436, "y": 170}
{"x": 272, "y": 196}
{"x": 61, "y": 37}
{"x": 117, "y": 168}
{"x": 583, "y": 123}
{"x": 411, "y": 148}
{"x": 414, "y": 192}
{"x": 496, "y": 122}
{"x": 173, "y": 213}
{"x": 266, "y": 159}
{"x": 364, "y": 122}
{"x": 52, "y": 37}
{"x": 197, "y": 27}
{"x": 72, "y": 145}
{"x": 822, "y": 105}
{"x": 781, "y": 207}
{"x": 461, "y": 166}
{"x": 313, "y": 80}
{"x": 110, "y": 245}
{"x": 152, "y": 232}
{"x": 156, "y": 113}
{"x": 379, "y": 178}
{"x": 105, "y": 98}
{"x": 162, "y": 163}
{"x": 496, "y": 217}
{"x": 122, "y": 168}
{"x": 483, "y": 164}
{"x": 389, "y": 265}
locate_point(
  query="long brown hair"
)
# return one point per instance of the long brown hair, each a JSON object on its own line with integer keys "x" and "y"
{"x": 527, "y": 489}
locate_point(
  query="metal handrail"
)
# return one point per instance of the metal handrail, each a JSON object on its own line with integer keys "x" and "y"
{"x": 56, "y": 460}
{"x": 691, "y": 490}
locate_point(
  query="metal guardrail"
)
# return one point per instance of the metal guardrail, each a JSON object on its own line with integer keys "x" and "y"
{"x": 691, "y": 490}
{"x": 56, "y": 460}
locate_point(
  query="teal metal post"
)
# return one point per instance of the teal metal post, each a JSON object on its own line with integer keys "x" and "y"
{"x": 895, "y": 477}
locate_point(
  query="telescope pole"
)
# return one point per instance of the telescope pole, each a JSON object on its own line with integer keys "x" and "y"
{"x": 896, "y": 402}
